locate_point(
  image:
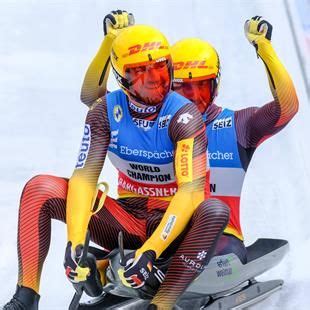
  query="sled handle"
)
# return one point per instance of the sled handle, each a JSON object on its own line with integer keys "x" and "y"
{"x": 102, "y": 190}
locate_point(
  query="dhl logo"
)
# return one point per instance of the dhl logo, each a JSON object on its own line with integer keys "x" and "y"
{"x": 200, "y": 64}
{"x": 148, "y": 46}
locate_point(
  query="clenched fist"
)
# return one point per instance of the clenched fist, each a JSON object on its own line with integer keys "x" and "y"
{"x": 117, "y": 20}
{"x": 257, "y": 30}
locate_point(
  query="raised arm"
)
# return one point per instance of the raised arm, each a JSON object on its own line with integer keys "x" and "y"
{"x": 95, "y": 80}
{"x": 256, "y": 123}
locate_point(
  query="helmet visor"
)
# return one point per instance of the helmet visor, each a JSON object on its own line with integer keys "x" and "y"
{"x": 149, "y": 82}
{"x": 199, "y": 91}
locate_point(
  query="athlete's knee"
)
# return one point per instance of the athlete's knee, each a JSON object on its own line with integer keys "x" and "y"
{"x": 213, "y": 209}
{"x": 41, "y": 188}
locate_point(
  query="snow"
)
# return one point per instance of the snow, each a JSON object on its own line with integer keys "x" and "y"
{"x": 44, "y": 51}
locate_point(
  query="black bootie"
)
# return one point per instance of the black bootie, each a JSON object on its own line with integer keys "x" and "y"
{"x": 24, "y": 299}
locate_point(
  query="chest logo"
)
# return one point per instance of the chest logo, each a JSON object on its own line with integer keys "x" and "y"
{"x": 164, "y": 121}
{"x": 118, "y": 113}
{"x": 143, "y": 123}
{"x": 222, "y": 123}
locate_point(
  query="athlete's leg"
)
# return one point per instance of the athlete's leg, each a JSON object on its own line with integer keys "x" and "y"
{"x": 231, "y": 244}
{"x": 194, "y": 252}
{"x": 43, "y": 198}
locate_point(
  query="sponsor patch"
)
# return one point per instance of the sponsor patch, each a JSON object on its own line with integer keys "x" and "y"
{"x": 118, "y": 113}
{"x": 220, "y": 155}
{"x": 125, "y": 150}
{"x": 164, "y": 121}
{"x": 201, "y": 255}
{"x": 128, "y": 186}
{"x": 224, "y": 272}
{"x": 185, "y": 118}
{"x": 225, "y": 267}
{"x": 222, "y": 123}
{"x": 83, "y": 153}
{"x": 143, "y": 109}
{"x": 143, "y": 123}
{"x": 184, "y": 160}
{"x": 191, "y": 264}
{"x": 168, "y": 227}
{"x": 114, "y": 139}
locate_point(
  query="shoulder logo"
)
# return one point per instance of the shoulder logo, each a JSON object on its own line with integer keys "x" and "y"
{"x": 222, "y": 123}
{"x": 185, "y": 118}
{"x": 118, "y": 113}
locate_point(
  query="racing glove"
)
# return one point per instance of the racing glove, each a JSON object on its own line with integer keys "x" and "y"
{"x": 258, "y": 30}
{"x": 116, "y": 20}
{"x": 141, "y": 270}
{"x": 81, "y": 270}
{"x": 74, "y": 272}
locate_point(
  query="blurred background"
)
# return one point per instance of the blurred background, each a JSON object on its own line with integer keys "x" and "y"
{"x": 45, "y": 49}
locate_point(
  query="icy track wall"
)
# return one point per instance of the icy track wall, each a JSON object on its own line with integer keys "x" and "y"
{"x": 45, "y": 48}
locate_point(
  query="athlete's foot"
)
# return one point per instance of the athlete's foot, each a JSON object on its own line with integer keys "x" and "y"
{"x": 24, "y": 299}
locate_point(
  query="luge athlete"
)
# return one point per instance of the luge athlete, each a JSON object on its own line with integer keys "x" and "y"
{"x": 233, "y": 136}
{"x": 156, "y": 140}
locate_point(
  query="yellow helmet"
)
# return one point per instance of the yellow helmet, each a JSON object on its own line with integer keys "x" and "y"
{"x": 136, "y": 46}
{"x": 195, "y": 59}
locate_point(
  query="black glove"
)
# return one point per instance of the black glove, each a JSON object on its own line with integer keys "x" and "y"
{"x": 74, "y": 272}
{"x": 81, "y": 270}
{"x": 141, "y": 270}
